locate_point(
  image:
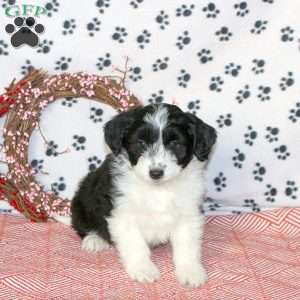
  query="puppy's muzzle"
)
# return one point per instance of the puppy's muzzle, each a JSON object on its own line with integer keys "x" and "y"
{"x": 156, "y": 174}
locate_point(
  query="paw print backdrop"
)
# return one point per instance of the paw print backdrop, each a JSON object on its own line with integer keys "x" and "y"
{"x": 235, "y": 64}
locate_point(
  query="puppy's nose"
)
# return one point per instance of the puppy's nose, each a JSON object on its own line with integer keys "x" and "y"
{"x": 156, "y": 173}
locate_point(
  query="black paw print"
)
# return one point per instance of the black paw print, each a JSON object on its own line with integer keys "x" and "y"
{"x": 270, "y": 193}
{"x": 259, "y": 65}
{"x": 104, "y": 62}
{"x": 211, "y": 10}
{"x": 251, "y": 203}
{"x": 295, "y": 113}
{"x": 44, "y": 46}
{"x": 259, "y": 172}
{"x": 135, "y": 3}
{"x": 213, "y": 206}
{"x": 194, "y": 106}
{"x": 135, "y": 73}
{"x": 51, "y": 149}
{"x": 143, "y": 38}
{"x": 102, "y": 5}
{"x": 272, "y": 134}
{"x": 59, "y": 186}
{"x": 7, "y": 3}
{"x": 94, "y": 163}
{"x": 264, "y": 93}
{"x": 250, "y": 136}
{"x": 96, "y": 114}
{"x": 291, "y": 189}
{"x": 69, "y": 101}
{"x": 28, "y": 67}
{"x": 3, "y": 48}
{"x": 162, "y": 19}
{"x": 238, "y": 159}
{"x": 204, "y": 56}
{"x": 268, "y": 1}
{"x": 224, "y": 120}
{"x": 185, "y": 10}
{"x": 119, "y": 34}
{"x": 287, "y": 34}
{"x": 216, "y": 84}
{"x": 37, "y": 165}
{"x": 233, "y": 69}
{"x": 68, "y": 26}
{"x": 243, "y": 94}
{"x": 183, "y": 78}
{"x": 220, "y": 182}
{"x": 79, "y": 142}
{"x": 241, "y": 9}
{"x": 51, "y": 6}
{"x": 63, "y": 63}
{"x": 157, "y": 97}
{"x": 160, "y": 64}
{"x": 282, "y": 152}
{"x": 259, "y": 27}
{"x": 183, "y": 40}
{"x": 224, "y": 34}
{"x": 286, "y": 82}
{"x": 93, "y": 26}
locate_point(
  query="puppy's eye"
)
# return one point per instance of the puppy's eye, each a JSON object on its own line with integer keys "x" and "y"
{"x": 141, "y": 143}
{"x": 174, "y": 143}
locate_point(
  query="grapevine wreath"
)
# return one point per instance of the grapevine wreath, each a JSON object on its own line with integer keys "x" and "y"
{"x": 22, "y": 104}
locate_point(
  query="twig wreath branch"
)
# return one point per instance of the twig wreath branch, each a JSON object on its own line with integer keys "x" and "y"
{"x": 23, "y": 103}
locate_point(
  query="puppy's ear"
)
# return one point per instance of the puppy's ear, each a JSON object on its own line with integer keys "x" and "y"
{"x": 115, "y": 129}
{"x": 204, "y": 136}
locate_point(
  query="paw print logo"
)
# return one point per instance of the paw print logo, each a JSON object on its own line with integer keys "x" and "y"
{"x": 157, "y": 97}
{"x": 211, "y": 10}
{"x": 37, "y": 165}
{"x": 216, "y": 84}
{"x": 135, "y": 74}
{"x": 286, "y": 82}
{"x": 291, "y": 189}
{"x": 232, "y": 69}
{"x": 259, "y": 172}
{"x": 220, "y": 182}
{"x": 251, "y": 203}
{"x": 272, "y": 134}
{"x": 183, "y": 78}
{"x": 185, "y": 10}
{"x": 27, "y": 67}
{"x": 287, "y": 34}
{"x": 243, "y": 94}
{"x": 59, "y": 186}
{"x": 3, "y": 48}
{"x": 102, "y": 5}
{"x": 79, "y": 142}
{"x": 162, "y": 19}
{"x": 270, "y": 193}
{"x": 223, "y": 34}
{"x": 7, "y": 3}
{"x": 241, "y": 9}
{"x": 160, "y": 64}
{"x": 224, "y": 120}
{"x": 143, "y": 39}
{"x": 295, "y": 113}
{"x": 94, "y": 163}
{"x": 69, "y": 101}
{"x": 104, "y": 62}
{"x": 259, "y": 27}
{"x": 135, "y": 3}
{"x": 27, "y": 32}
{"x": 93, "y": 27}
{"x": 44, "y": 46}
{"x": 63, "y": 63}
{"x": 68, "y": 26}
{"x": 238, "y": 158}
{"x": 96, "y": 114}
{"x": 258, "y": 66}
{"x": 264, "y": 93}
{"x": 183, "y": 40}
{"x": 52, "y": 7}
{"x": 250, "y": 136}
{"x": 204, "y": 56}
{"x": 51, "y": 149}
{"x": 119, "y": 34}
{"x": 194, "y": 106}
{"x": 282, "y": 152}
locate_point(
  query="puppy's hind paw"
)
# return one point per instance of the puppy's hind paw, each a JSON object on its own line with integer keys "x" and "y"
{"x": 192, "y": 276}
{"x": 94, "y": 243}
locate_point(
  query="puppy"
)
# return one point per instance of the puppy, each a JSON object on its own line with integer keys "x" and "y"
{"x": 148, "y": 191}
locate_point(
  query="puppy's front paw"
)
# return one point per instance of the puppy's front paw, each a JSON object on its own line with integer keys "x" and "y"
{"x": 145, "y": 271}
{"x": 191, "y": 275}
{"x": 94, "y": 243}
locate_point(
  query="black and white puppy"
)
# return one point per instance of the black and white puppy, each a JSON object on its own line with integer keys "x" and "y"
{"x": 148, "y": 191}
